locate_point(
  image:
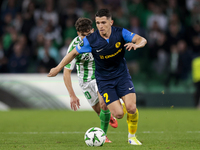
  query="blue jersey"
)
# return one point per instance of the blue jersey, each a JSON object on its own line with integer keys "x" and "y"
{"x": 108, "y": 54}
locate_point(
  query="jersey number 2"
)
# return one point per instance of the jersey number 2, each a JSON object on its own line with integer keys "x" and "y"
{"x": 106, "y": 96}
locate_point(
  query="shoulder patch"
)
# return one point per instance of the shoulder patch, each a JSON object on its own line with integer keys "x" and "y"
{"x": 78, "y": 46}
{"x": 81, "y": 43}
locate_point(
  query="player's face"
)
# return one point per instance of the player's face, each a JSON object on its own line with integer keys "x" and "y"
{"x": 104, "y": 25}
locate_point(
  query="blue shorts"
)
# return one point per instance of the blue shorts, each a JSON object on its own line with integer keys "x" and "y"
{"x": 112, "y": 90}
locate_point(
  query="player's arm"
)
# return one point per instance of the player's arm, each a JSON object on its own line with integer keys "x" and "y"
{"x": 66, "y": 60}
{"x": 134, "y": 41}
{"x": 74, "y": 101}
{"x": 139, "y": 41}
{"x": 82, "y": 47}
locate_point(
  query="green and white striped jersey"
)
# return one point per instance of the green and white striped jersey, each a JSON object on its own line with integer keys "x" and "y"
{"x": 84, "y": 63}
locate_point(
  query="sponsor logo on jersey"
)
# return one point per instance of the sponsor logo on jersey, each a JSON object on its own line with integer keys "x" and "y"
{"x": 111, "y": 55}
{"x": 87, "y": 56}
{"x": 101, "y": 56}
{"x": 117, "y": 45}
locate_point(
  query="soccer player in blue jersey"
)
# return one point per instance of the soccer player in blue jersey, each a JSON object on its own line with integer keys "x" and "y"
{"x": 108, "y": 45}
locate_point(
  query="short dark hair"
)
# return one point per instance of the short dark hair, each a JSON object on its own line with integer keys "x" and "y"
{"x": 103, "y": 12}
{"x": 83, "y": 25}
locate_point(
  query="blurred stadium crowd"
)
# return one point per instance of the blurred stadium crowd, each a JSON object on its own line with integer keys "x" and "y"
{"x": 35, "y": 34}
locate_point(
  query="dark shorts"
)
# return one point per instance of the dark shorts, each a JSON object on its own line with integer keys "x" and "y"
{"x": 114, "y": 89}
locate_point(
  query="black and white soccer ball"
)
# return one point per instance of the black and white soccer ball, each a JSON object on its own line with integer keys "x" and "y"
{"x": 95, "y": 137}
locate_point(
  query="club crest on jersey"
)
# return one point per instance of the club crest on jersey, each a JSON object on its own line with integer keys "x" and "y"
{"x": 117, "y": 45}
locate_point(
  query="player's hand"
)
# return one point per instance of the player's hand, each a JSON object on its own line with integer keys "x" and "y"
{"x": 53, "y": 72}
{"x": 130, "y": 46}
{"x": 74, "y": 103}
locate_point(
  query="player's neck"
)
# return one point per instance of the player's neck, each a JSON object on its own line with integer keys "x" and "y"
{"x": 106, "y": 35}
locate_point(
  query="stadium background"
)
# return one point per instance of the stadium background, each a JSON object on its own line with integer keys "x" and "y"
{"x": 35, "y": 34}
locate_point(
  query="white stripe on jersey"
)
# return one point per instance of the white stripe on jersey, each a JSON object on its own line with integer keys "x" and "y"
{"x": 84, "y": 63}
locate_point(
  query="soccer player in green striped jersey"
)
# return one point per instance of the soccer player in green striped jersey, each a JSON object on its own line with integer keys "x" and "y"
{"x": 86, "y": 75}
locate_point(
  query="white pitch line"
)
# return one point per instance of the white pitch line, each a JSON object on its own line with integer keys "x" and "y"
{"x": 76, "y": 132}
{"x": 193, "y": 131}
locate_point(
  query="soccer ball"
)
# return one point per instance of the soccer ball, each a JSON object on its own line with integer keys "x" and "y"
{"x": 94, "y": 137}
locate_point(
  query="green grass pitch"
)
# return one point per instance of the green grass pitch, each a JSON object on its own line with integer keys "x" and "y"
{"x": 158, "y": 129}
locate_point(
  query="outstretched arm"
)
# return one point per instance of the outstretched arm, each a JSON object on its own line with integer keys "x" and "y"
{"x": 74, "y": 101}
{"x": 67, "y": 59}
{"x": 137, "y": 42}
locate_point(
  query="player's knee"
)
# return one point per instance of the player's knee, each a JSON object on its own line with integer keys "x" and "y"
{"x": 131, "y": 109}
{"x": 119, "y": 115}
